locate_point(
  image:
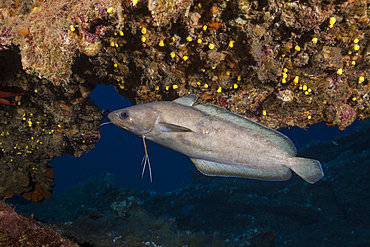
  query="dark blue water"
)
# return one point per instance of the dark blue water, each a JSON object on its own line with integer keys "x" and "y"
{"x": 120, "y": 153}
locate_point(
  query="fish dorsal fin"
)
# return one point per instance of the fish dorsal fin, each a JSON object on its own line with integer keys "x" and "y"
{"x": 187, "y": 100}
{"x": 274, "y": 136}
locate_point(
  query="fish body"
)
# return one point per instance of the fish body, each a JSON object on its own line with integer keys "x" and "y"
{"x": 219, "y": 143}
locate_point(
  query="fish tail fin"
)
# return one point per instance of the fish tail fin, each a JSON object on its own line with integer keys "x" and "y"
{"x": 310, "y": 170}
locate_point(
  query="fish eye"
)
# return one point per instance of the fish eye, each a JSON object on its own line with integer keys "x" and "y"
{"x": 124, "y": 115}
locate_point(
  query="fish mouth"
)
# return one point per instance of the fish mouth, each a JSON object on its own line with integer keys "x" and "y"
{"x": 113, "y": 117}
{"x": 124, "y": 127}
{"x": 110, "y": 116}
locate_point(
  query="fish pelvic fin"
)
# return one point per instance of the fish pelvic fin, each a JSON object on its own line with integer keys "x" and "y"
{"x": 308, "y": 169}
{"x": 145, "y": 161}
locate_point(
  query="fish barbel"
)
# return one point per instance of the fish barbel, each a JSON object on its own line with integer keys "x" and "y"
{"x": 218, "y": 142}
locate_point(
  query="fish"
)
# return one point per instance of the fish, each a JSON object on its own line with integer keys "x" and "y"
{"x": 335, "y": 142}
{"x": 217, "y": 141}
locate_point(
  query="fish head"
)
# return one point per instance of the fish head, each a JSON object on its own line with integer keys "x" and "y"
{"x": 138, "y": 119}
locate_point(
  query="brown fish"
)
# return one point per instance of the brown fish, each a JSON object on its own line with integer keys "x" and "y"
{"x": 218, "y": 142}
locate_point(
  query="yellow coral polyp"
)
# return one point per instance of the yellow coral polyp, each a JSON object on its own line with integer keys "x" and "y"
{"x": 172, "y": 54}
{"x": 296, "y": 80}
{"x": 185, "y": 58}
{"x": 235, "y": 86}
{"x": 264, "y": 113}
{"x": 206, "y": 85}
{"x": 189, "y": 39}
{"x": 314, "y": 40}
{"x": 110, "y": 10}
{"x": 211, "y": 46}
{"x": 361, "y": 79}
{"x": 339, "y": 71}
{"x": 231, "y": 43}
{"x": 297, "y": 48}
{"x": 356, "y": 47}
{"x": 72, "y": 28}
{"x": 355, "y": 41}
{"x": 332, "y": 21}
{"x": 161, "y": 43}
{"x": 143, "y": 30}
{"x": 175, "y": 86}
{"x": 143, "y": 39}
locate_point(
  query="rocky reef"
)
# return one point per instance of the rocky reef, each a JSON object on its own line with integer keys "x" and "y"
{"x": 18, "y": 230}
{"x": 280, "y": 63}
{"x": 46, "y": 122}
{"x": 224, "y": 211}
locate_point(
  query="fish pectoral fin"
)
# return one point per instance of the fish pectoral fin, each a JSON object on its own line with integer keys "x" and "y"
{"x": 167, "y": 127}
{"x": 211, "y": 168}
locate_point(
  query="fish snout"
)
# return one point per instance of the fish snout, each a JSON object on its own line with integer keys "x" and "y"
{"x": 114, "y": 117}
